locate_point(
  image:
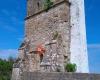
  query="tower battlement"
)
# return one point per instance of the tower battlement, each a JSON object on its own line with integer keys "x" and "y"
{"x": 36, "y": 6}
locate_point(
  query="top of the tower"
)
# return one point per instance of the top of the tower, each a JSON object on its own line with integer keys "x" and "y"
{"x": 36, "y": 6}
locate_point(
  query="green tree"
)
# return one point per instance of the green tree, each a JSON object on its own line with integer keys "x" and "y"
{"x": 5, "y": 69}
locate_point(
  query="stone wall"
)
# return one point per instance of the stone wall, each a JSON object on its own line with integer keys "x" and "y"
{"x": 78, "y": 45}
{"x": 60, "y": 76}
{"x": 36, "y": 6}
{"x": 15, "y": 74}
{"x": 51, "y": 29}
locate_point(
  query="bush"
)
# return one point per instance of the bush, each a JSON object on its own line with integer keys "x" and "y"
{"x": 5, "y": 69}
{"x": 70, "y": 67}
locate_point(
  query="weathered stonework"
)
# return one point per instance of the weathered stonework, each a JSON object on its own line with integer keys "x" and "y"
{"x": 60, "y": 76}
{"x": 53, "y": 38}
{"x": 37, "y": 6}
{"x": 40, "y": 29}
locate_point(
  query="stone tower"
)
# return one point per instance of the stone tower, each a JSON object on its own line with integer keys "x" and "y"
{"x": 54, "y": 35}
{"x": 48, "y": 27}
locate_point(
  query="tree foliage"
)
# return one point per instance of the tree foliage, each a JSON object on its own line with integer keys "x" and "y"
{"x": 6, "y": 69}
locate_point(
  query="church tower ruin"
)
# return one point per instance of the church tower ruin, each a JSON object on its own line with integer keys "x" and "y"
{"x": 54, "y": 35}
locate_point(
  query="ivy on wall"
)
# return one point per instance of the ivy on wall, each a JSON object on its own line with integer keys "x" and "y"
{"x": 47, "y": 4}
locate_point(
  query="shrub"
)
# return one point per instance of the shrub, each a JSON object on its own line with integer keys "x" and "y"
{"x": 6, "y": 69}
{"x": 70, "y": 67}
